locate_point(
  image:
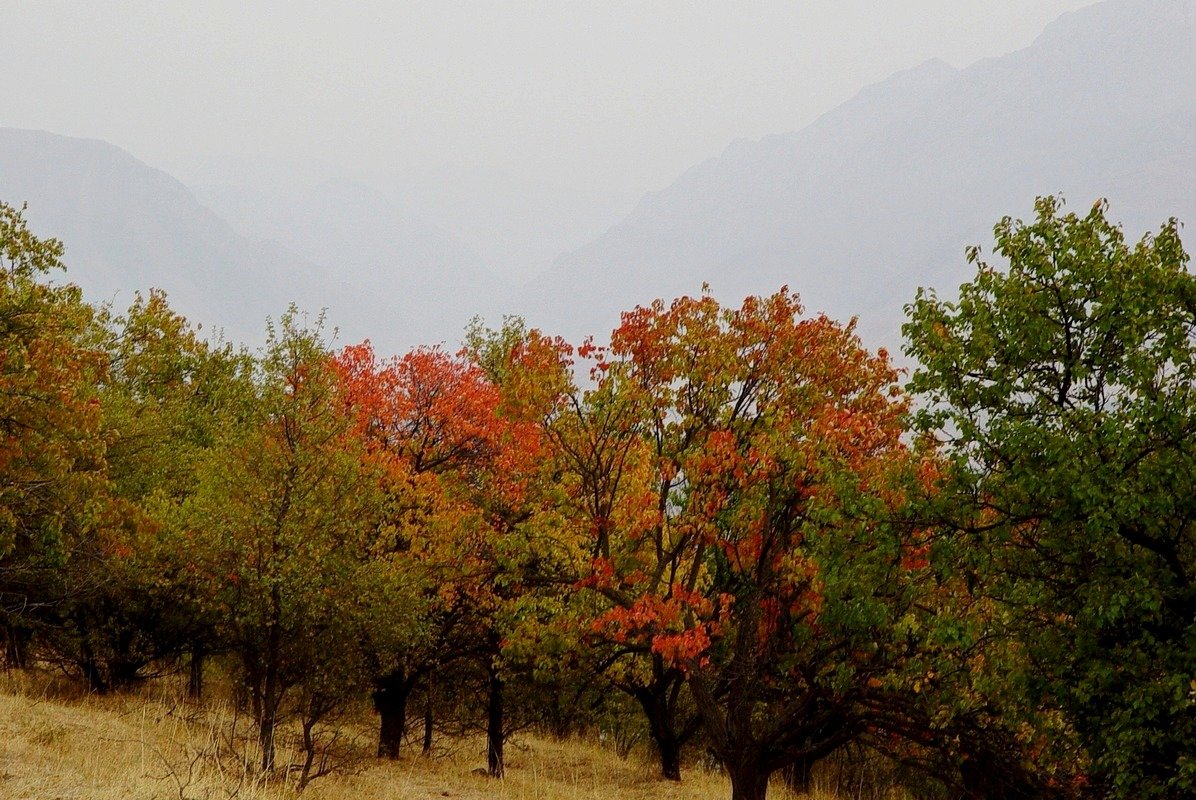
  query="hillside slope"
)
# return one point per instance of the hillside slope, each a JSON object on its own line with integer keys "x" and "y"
{"x": 882, "y": 194}
{"x": 128, "y": 227}
{"x": 340, "y": 247}
{"x": 154, "y": 745}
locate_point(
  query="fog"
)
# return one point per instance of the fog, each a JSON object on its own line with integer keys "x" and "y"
{"x": 526, "y": 129}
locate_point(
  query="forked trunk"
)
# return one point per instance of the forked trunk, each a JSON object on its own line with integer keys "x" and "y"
{"x": 659, "y": 700}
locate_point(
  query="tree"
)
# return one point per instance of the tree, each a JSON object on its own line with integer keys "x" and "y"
{"x": 163, "y": 398}
{"x": 283, "y": 522}
{"x": 612, "y": 489}
{"x": 55, "y": 502}
{"x": 535, "y": 555}
{"x": 1063, "y": 384}
{"x": 767, "y": 561}
{"x": 461, "y": 465}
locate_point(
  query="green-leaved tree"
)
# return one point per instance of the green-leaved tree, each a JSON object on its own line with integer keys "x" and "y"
{"x": 1064, "y": 384}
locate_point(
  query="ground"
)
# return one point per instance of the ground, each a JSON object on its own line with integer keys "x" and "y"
{"x": 58, "y": 745}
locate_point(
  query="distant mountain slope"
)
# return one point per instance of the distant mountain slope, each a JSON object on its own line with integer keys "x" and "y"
{"x": 410, "y": 281}
{"x": 882, "y": 194}
{"x": 127, "y": 226}
{"x": 855, "y": 211}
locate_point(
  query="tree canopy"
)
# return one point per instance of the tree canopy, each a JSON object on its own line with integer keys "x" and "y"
{"x": 726, "y": 525}
{"x": 1063, "y": 386}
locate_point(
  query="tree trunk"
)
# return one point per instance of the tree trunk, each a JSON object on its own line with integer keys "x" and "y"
{"x": 90, "y": 667}
{"x": 15, "y": 647}
{"x": 654, "y": 702}
{"x": 494, "y": 725}
{"x": 272, "y": 687}
{"x": 670, "y": 758}
{"x": 265, "y": 735}
{"x": 309, "y": 753}
{"x": 659, "y": 703}
{"x": 123, "y": 673}
{"x": 748, "y": 781}
{"x": 268, "y": 719}
{"x": 94, "y": 677}
{"x": 390, "y": 701}
{"x": 427, "y": 749}
{"x": 195, "y": 676}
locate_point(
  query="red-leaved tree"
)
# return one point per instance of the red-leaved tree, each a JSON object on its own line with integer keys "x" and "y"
{"x": 758, "y": 551}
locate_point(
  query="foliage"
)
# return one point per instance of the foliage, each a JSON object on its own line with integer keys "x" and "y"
{"x": 757, "y": 547}
{"x": 57, "y": 513}
{"x": 1064, "y": 387}
{"x": 460, "y": 463}
{"x": 730, "y": 517}
{"x": 163, "y": 398}
{"x": 51, "y": 457}
{"x": 282, "y": 523}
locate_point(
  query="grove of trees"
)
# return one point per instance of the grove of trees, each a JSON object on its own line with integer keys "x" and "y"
{"x": 734, "y": 528}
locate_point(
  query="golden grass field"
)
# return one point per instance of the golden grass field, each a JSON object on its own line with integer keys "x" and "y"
{"x": 58, "y": 745}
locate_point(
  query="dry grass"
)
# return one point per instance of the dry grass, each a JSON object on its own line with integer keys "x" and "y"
{"x": 57, "y": 744}
{"x": 536, "y": 770}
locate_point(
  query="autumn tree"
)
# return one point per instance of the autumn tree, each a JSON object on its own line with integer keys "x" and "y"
{"x": 767, "y": 562}
{"x": 283, "y": 521}
{"x": 163, "y": 399}
{"x": 434, "y": 421}
{"x": 537, "y": 555}
{"x": 612, "y": 491}
{"x": 1063, "y": 382}
{"x": 55, "y": 504}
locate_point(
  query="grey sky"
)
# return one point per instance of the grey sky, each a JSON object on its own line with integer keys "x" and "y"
{"x": 584, "y": 106}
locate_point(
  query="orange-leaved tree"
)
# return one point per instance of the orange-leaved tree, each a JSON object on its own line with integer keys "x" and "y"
{"x": 612, "y": 495}
{"x": 762, "y": 556}
{"x": 460, "y": 462}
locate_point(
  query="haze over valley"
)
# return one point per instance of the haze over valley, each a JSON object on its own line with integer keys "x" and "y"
{"x": 872, "y": 199}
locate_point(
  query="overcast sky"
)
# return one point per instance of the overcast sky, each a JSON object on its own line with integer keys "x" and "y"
{"x": 590, "y": 103}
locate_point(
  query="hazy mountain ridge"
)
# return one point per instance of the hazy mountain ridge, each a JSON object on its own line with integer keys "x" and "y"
{"x": 129, "y": 227}
{"x": 405, "y": 280}
{"x": 874, "y": 198}
{"x": 883, "y": 193}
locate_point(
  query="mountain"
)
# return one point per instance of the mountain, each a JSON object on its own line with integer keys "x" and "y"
{"x": 516, "y": 226}
{"x": 412, "y": 282}
{"x": 341, "y": 247}
{"x": 854, "y": 212}
{"x": 883, "y": 194}
{"x": 128, "y": 227}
